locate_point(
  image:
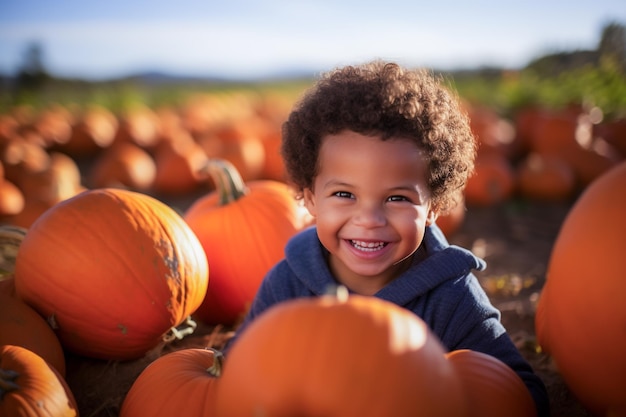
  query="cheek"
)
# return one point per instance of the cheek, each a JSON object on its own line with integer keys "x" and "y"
{"x": 329, "y": 218}
{"x": 412, "y": 235}
{"x": 412, "y": 225}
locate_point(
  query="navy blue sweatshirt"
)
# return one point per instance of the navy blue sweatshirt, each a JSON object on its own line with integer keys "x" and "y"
{"x": 439, "y": 287}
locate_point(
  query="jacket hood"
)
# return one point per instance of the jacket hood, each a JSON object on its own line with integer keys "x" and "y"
{"x": 439, "y": 262}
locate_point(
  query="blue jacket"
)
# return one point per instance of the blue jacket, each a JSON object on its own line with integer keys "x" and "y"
{"x": 439, "y": 287}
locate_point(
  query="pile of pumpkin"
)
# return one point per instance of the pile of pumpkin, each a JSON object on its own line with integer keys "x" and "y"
{"x": 48, "y": 155}
{"x": 542, "y": 154}
{"x": 115, "y": 273}
{"x": 51, "y": 154}
{"x": 112, "y": 274}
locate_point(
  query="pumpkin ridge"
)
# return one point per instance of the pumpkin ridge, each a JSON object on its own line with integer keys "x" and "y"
{"x": 169, "y": 255}
{"x": 128, "y": 265}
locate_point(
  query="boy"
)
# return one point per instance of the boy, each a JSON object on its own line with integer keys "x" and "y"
{"x": 377, "y": 152}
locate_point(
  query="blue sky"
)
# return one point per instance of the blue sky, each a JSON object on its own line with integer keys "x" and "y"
{"x": 249, "y": 39}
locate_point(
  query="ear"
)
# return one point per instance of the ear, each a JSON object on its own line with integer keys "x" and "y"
{"x": 308, "y": 198}
{"x": 431, "y": 216}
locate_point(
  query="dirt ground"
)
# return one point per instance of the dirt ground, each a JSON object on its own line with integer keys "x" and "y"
{"x": 514, "y": 238}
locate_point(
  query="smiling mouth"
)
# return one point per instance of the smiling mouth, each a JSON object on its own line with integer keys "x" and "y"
{"x": 367, "y": 246}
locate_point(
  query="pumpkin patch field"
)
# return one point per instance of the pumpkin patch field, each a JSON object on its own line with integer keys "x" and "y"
{"x": 133, "y": 241}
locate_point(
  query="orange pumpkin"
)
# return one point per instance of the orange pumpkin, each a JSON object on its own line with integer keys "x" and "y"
{"x": 59, "y": 180}
{"x": 239, "y": 145}
{"x": 20, "y": 325}
{"x": 54, "y": 125}
{"x": 495, "y": 134}
{"x": 274, "y": 166}
{"x": 492, "y": 388}
{"x": 554, "y": 131}
{"x": 493, "y": 181}
{"x": 179, "y": 163}
{"x": 545, "y": 177}
{"x": 243, "y": 229}
{"x": 113, "y": 270}
{"x": 94, "y": 129}
{"x": 123, "y": 165}
{"x": 524, "y": 120}
{"x": 189, "y": 376}
{"x": 581, "y": 315}
{"x": 331, "y": 355}
{"x": 22, "y": 158}
{"x": 9, "y": 127}
{"x": 138, "y": 125}
{"x": 30, "y": 387}
{"x": 11, "y": 199}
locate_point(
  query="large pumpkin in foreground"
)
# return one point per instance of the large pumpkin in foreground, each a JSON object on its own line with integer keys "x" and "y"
{"x": 243, "y": 229}
{"x": 581, "y": 315}
{"x": 112, "y": 271}
{"x": 337, "y": 356}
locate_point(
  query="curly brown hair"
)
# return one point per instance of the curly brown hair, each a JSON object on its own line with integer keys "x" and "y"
{"x": 383, "y": 98}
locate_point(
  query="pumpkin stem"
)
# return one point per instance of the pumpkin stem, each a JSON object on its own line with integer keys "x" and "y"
{"x": 7, "y": 376}
{"x": 227, "y": 179}
{"x": 178, "y": 332}
{"x": 218, "y": 361}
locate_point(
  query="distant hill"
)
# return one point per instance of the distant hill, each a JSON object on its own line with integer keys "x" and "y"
{"x": 161, "y": 77}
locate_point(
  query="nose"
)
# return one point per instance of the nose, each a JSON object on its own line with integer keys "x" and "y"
{"x": 369, "y": 215}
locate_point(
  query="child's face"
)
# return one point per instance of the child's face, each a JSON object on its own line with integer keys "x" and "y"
{"x": 371, "y": 205}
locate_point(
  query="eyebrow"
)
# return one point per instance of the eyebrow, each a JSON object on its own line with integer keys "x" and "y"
{"x": 335, "y": 183}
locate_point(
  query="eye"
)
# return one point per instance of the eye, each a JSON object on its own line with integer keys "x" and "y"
{"x": 397, "y": 198}
{"x": 343, "y": 194}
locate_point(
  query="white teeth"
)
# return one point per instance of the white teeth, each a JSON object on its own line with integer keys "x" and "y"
{"x": 367, "y": 246}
